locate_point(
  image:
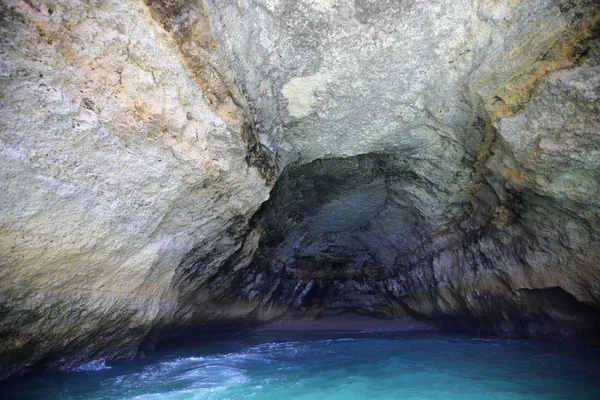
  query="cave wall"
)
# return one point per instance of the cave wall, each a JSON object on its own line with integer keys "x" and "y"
{"x": 115, "y": 164}
{"x": 440, "y": 159}
{"x": 169, "y": 164}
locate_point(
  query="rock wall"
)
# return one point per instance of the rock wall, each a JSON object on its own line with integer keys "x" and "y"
{"x": 168, "y": 164}
{"x": 441, "y": 159}
{"x": 115, "y": 164}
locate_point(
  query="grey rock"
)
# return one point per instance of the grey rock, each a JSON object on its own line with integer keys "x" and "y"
{"x": 168, "y": 165}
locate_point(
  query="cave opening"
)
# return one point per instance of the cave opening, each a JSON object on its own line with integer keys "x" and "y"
{"x": 336, "y": 234}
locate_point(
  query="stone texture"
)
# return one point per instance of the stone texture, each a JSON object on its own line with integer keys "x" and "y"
{"x": 440, "y": 159}
{"x": 114, "y": 166}
{"x": 432, "y": 158}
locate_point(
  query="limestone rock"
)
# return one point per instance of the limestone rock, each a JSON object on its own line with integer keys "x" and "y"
{"x": 114, "y": 166}
{"x": 432, "y": 158}
{"x": 440, "y": 158}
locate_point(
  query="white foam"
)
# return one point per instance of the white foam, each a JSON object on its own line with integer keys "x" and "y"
{"x": 213, "y": 376}
{"x": 95, "y": 365}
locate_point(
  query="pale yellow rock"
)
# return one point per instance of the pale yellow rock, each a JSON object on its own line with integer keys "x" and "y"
{"x": 302, "y": 94}
{"x": 113, "y": 168}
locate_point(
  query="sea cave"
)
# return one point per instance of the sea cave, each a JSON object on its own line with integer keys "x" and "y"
{"x": 316, "y": 199}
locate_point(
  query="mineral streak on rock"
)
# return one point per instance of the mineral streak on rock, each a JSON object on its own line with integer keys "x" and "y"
{"x": 169, "y": 165}
{"x": 114, "y": 167}
{"x": 187, "y": 22}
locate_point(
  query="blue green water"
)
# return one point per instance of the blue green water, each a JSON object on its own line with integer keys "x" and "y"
{"x": 423, "y": 365}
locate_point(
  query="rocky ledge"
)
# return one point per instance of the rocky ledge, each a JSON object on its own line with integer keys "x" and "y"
{"x": 168, "y": 165}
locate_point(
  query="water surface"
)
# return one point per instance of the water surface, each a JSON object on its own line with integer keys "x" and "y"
{"x": 409, "y": 365}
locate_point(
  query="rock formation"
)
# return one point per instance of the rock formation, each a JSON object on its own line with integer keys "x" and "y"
{"x": 169, "y": 164}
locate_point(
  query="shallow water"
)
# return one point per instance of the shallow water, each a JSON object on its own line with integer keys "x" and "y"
{"x": 410, "y": 365}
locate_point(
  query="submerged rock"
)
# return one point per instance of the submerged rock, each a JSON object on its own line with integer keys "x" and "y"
{"x": 172, "y": 164}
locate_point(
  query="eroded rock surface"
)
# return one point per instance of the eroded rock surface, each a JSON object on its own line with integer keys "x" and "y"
{"x": 442, "y": 159}
{"x": 166, "y": 164}
{"x": 114, "y": 166}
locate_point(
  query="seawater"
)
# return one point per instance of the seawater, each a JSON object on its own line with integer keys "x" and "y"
{"x": 410, "y": 366}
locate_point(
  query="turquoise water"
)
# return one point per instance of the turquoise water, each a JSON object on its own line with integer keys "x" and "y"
{"x": 423, "y": 365}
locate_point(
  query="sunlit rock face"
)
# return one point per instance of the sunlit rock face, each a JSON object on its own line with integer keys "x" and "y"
{"x": 170, "y": 164}
{"x": 115, "y": 164}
